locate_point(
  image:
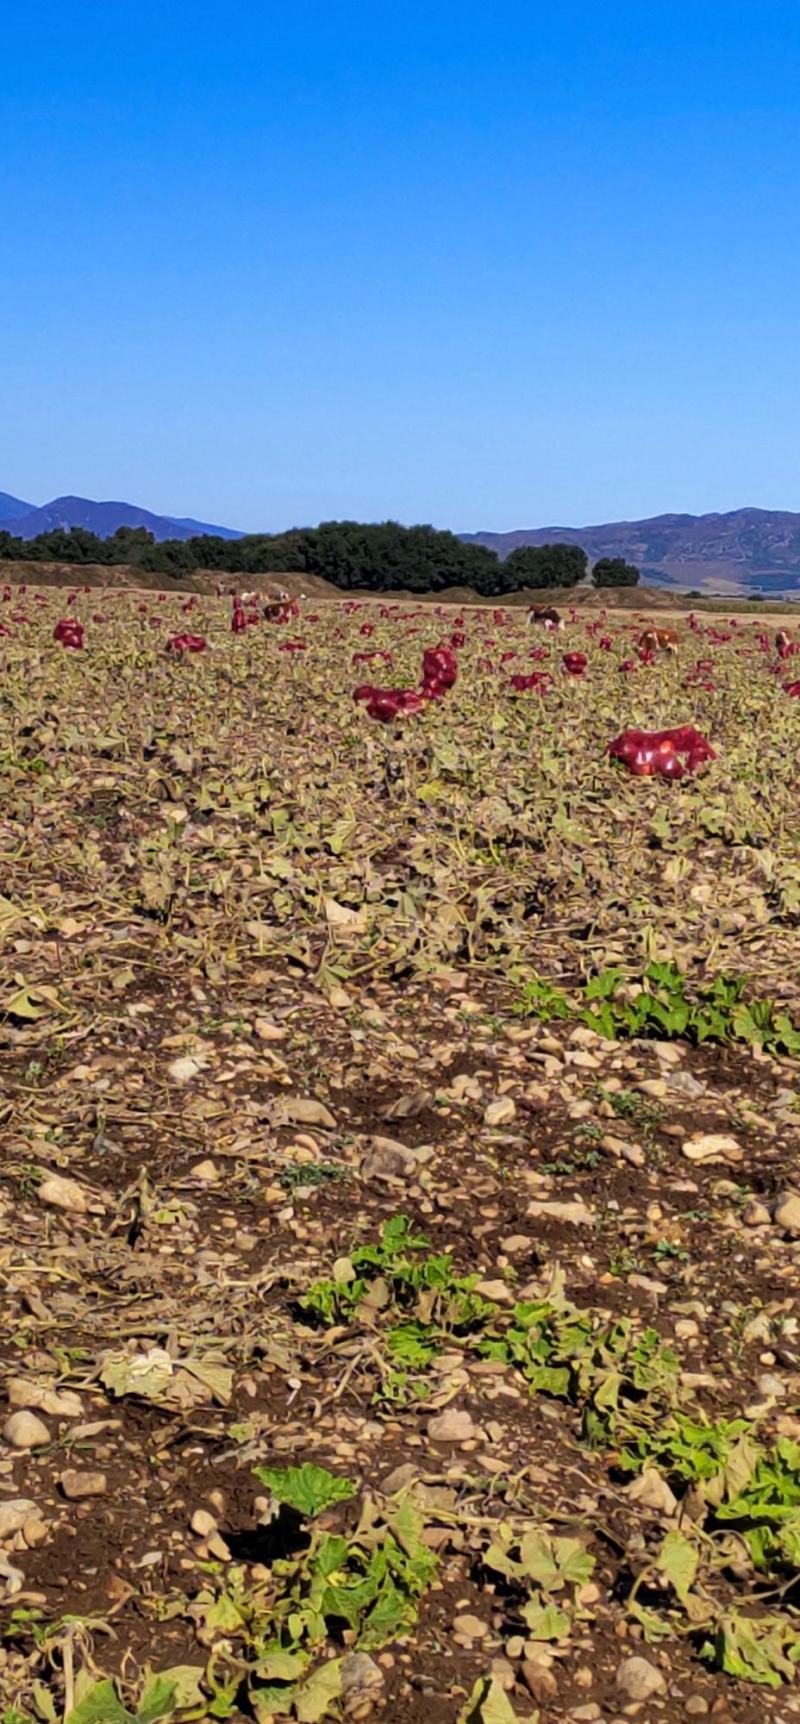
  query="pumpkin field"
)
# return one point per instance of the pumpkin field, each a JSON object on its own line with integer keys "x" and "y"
{"x": 400, "y": 1202}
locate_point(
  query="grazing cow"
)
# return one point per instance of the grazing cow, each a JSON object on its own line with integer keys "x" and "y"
{"x": 546, "y": 616}
{"x": 274, "y": 607}
{"x": 659, "y": 640}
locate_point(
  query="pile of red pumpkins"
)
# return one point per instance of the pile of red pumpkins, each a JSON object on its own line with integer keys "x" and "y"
{"x": 439, "y": 672}
{"x": 662, "y": 753}
{"x": 186, "y": 642}
{"x": 69, "y": 632}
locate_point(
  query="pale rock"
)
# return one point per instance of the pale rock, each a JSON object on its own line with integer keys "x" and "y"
{"x": 386, "y": 1158}
{"x": 667, "y": 1053}
{"x": 399, "y": 1479}
{"x": 452, "y": 1426}
{"x": 576, "y": 1214}
{"x": 654, "y": 1086}
{"x": 755, "y": 1214}
{"x": 25, "y": 1430}
{"x": 35, "y": 1530}
{"x": 633, "y": 1154}
{"x": 182, "y": 1070}
{"x": 711, "y": 1146}
{"x": 13, "y": 1577}
{"x": 14, "y": 1514}
{"x": 787, "y": 1213}
{"x": 203, "y": 1523}
{"x": 769, "y": 1384}
{"x": 539, "y": 1680}
{"x": 503, "y": 1673}
{"x": 206, "y": 1171}
{"x": 76, "y": 1485}
{"x": 301, "y": 1110}
{"x": 60, "y": 1193}
{"x": 471, "y": 1627}
{"x": 500, "y": 1112}
{"x": 268, "y": 1032}
{"x": 362, "y": 1680}
{"x": 57, "y": 1403}
{"x": 639, "y": 1680}
{"x": 682, "y": 1086}
{"x": 496, "y": 1290}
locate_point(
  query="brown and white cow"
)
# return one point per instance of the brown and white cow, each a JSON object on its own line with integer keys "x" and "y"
{"x": 546, "y": 616}
{"x": 659, "y": 640}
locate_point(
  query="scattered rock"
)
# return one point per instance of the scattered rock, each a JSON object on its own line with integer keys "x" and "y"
{"x": 362, "y": 1680}
{"x": 755, "y": 1214}
{"x": 203, "y": 1523}
{"x": 503, "y": 1672}
{"x": 268, "y": 1032}
{"x": 385, "y": 1158}
{"x": 639, "y": 1680}
{"x": 452, "y": 1426}
{"x": 13, "y": 1577}
{"x": 25, "y": 1430}
{"x": 64, "y": 1194}
{"x": 709, "y": 1146}
{"x": 182, "y": 1071}
{"x": 14, "y": 1514}
{"x": 471, "y": 1627}
{"x": 787, "y": 1213}
{"x": 577, "y": 1213}
{"x": 500, "y": 1112}
{"x": 57, "y": 1403}
{"x": 77, "y": 1485}
{"x": 206, "y": 1171}
{"x": 539, "y": 1680}
{"x": 300, "y": 1110}
{"x": 496, "y": 1290}
{"x": 682, "y": 1086}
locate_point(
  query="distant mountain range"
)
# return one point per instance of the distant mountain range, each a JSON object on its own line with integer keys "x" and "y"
{"x": 747, "y": 550}
{"x": 26, "y": 521}
{"x": 744, "y": 551}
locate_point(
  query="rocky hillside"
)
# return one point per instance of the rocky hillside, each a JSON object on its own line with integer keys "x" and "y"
{"x": 747, "y": 550}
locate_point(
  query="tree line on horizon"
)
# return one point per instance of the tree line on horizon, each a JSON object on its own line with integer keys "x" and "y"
{"x": 353, "y": 556}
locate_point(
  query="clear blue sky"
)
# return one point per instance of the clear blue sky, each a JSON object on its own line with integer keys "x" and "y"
{"x": 494, "y": 263}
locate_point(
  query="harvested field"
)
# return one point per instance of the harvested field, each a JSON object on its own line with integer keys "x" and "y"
{"x": 399, "y": 1186}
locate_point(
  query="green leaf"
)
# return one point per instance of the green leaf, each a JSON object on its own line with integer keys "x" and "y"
{"x": 157, "y": 1701}
{"x": 101, "y": 1705}
{"x": 553, "y": 1563}
{"x": 546, "y": 1621}
{"x": 170, "y": 1691}
{"x": 313, "y": 1700}
{"x": 308, "y": 1489}
{"x": 655, "y": 1627}
{"x": 678, "y": 1560}
{"x": 489, "y": 1704}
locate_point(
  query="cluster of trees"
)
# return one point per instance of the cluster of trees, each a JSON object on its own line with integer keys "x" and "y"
{"x": 380, "y": 558}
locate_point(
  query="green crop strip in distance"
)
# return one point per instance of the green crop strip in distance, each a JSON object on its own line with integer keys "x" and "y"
{"x": 659, "y": 1005}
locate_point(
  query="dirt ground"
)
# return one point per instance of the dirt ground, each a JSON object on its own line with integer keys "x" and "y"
{"x": 200, "y": 1123}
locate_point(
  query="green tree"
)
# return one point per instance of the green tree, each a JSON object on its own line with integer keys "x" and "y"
{"x": 615, "y": 572}
{"x": 557, "y": 565}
